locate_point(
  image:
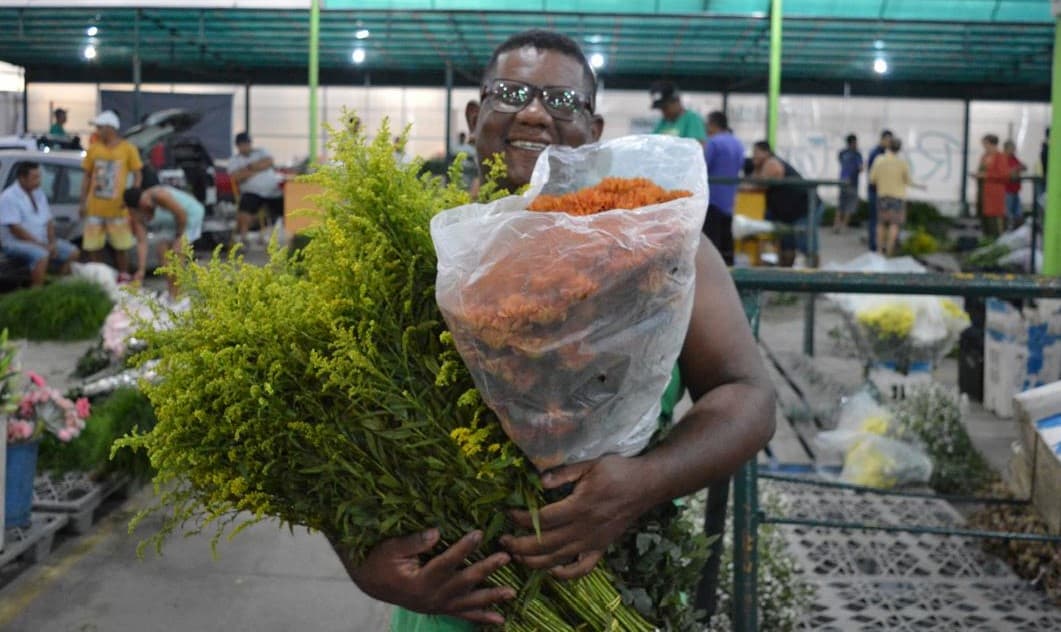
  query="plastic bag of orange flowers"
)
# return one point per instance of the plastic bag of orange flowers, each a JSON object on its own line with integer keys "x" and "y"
{"x": 570, "y": 303}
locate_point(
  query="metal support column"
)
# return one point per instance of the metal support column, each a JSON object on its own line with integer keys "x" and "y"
{"x": 1052, "y": 216}
{"x": 449, "y": 109}
{"x": 137, "y": 103}
{"x": 774, "y": 95}
{"x": 247, "y": 107}
{"x": 813, "y": 218}
{"x": 746, "y": 548}
{"x": 725, "y": 102}
{"x": 25, "y": 101}
{"x": 314, "y": 68}
{"x": 965, "y": 159}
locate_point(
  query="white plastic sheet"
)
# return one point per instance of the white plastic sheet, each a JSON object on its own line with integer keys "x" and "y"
{"x": 571, "y": 325}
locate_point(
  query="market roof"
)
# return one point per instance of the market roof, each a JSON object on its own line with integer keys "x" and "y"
{"x": 978, "y": 48}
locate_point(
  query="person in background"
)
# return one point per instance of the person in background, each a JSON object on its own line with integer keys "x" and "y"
{"x": 993, "y": 174}
{"x": 1016, "y": 168}
{"x": 174, "y": 215}
{"x": 850, "y": 168}
{"x": 259, "y": 186}
{"x": 470, "y": 168}
{"x": 724, "y": 155}
{"x": 1044, "y": 156}
{"x": 27, "y": 232}
{"x": 539, "y": 90}
{"x": 785, "y": 203}
{"x": 871, "y": 191}
{"x": 57, "y": 128}
{"x": 108, "y": 165}
{"x": 676, "y": 121}
{"x": 891, "y": 177}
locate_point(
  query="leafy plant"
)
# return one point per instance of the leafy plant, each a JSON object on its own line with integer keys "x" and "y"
{"x": 123, "y": 411}
{"x": 94, "y": 360}
{"x": 785, "y": 595}
{"x": 931, "y": 415}
{"x": 1039, "y": 562}
{"x": 920, "y": 243}
{"x": 68, "y": 310}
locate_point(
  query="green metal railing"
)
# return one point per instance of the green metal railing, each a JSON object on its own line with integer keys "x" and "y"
{"x": 747, "y": 515}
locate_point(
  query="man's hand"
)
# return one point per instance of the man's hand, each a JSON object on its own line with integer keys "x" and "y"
{"x": 444, "y": 585}
{"x": 576, "y": 531}
{"x": 138, "y": 277}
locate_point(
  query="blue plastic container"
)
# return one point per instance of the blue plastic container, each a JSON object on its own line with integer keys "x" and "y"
{"x": 18, "y": 483}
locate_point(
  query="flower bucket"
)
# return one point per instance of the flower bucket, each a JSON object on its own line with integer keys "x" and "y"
{"x": 20, "y": 470}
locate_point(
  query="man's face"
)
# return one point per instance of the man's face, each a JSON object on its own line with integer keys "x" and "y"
{"x": 244, "y": 149}
{"x": 672, "y": 109}
{"x": 886, "y": 142}
{"x": 107, "y": 133}
{"x": 60, "y": 117}
{"x": 759, "y": 157}
{"x": 31, "y": 180}
{"x": 521, "y": 137}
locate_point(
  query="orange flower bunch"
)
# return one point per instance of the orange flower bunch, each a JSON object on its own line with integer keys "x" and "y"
{"x": 532, "y": 317}
{"x": 607, "y": 195}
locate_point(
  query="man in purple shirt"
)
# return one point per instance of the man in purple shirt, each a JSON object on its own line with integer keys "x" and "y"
{"x": 725, "y": 158}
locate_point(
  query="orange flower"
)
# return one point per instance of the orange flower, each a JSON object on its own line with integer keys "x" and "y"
{"x": 607, "y": 195}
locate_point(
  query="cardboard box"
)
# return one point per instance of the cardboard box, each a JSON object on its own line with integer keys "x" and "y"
{"x": 1020, "y": 352}
{"x": 1039, "y": 413}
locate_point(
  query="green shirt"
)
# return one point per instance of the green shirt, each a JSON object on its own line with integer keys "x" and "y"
{"x": 407, "y": 621}
{"x": 688, "y": 125}
{"x": 57, "y": 130}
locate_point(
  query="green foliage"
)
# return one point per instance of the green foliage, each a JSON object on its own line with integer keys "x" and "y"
{"x": 8, "y": 375}
{"x": 123, "y": 411}
{"x": 67, "y": 310}
{"x": 785, "y": 595}
{"x": 931, "y": 416}
{"x": 920, "y": 243}
{"x": 94, "y": 360}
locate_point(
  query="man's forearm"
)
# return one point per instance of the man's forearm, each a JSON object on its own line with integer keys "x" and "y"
{"x": 138, "y": 178}
{"x": 724, "y": 429}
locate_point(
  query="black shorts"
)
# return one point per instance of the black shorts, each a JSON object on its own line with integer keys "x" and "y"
{"x": 251, "y": 203}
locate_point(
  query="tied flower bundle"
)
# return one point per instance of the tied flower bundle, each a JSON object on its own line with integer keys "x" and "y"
{"x": 42, "y": 408}
{"x": 324, "y": 390}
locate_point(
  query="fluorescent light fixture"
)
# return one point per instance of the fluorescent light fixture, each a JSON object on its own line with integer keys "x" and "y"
{"x": 596, "y": 60}
{"x": 89, "y": 52}
{"x": 92, "y": 31}
{"x": 358, "y": 56}
{"x": 878, "y": 44}
{"x": 362, "y": 34}
{"x": 595, "y": 39}
{"x": 880, "y": 66}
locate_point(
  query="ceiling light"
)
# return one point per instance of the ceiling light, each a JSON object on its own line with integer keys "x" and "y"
{"x": 595, "y": 39}
{"x": 596, "y": 60}
{"x": 880, "y": 66}
{"x": 91, "y": 31}
{"x": 362, "y": 34}
{"x": 89, "y": 52}
{"x": 878, "y": 44}
{"x": 359, "y": 55}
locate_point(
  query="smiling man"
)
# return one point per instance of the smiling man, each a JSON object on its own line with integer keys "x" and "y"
{"x": 539, "y": 90}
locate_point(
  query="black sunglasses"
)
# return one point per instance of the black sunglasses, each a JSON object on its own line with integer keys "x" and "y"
{"x": 511, "y": 96}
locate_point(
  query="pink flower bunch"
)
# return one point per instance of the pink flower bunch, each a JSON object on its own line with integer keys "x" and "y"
{"x": 44, "y": 408}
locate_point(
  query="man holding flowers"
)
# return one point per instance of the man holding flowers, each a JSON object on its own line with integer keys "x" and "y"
{"x": 538, "y": 89}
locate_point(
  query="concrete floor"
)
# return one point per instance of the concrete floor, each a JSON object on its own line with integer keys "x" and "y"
{"x": 266, "y": 580}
